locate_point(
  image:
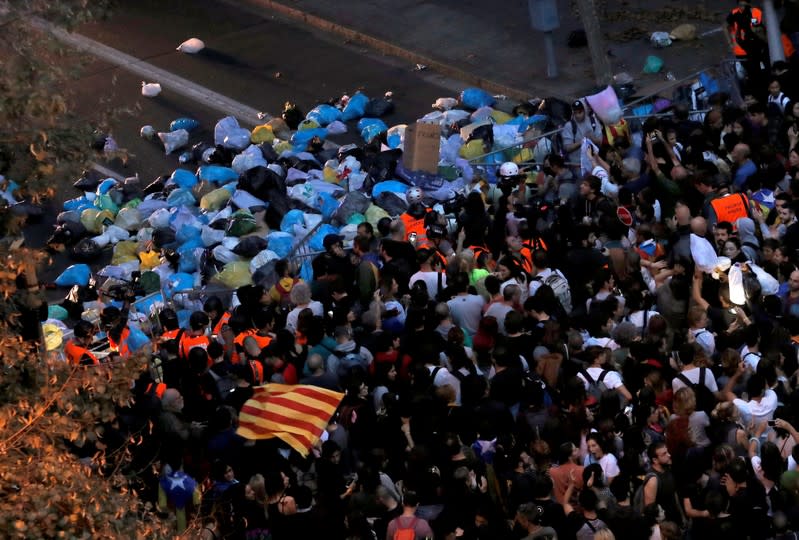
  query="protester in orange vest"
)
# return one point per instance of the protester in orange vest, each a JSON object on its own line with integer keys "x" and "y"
{"x": 195, "y": 335}
{"x": 437, "y": 243}
{"x": 76, "y": 348}
{"x": 216, "y": 313}
{"x": 741, "y": 22}
{"x": 259, "y": 339}
{"x": 115, "y": 325}
{"x": 415, "y": 218}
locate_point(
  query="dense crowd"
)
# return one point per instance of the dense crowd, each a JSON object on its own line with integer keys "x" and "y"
{"x": 552, "y": 362}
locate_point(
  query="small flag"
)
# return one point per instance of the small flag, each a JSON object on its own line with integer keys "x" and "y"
{"x": 295, "y": 414}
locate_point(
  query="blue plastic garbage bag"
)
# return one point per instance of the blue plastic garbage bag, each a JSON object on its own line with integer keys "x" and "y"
{"x": 291, "y": 218}
{"x": 324, "y": 114}
{"x": 181, "y": 197}
{"x": 525, "y": 122}
{"x": 144, "y": 305}
{"x": 474, "y": 98}
{"x": 371, "y": 128}
{"x": 280, "y": 242}
{"x": 301, "y": 139}
{"x": 179, "y": 281}
{"x": 317, "y": 240}
{"x": 355, "y": 107}
{"x": 188, "y": 124}
{"x": 217, "y": 174}
{"x": 184, "y": 178}
{"x": 393, "y": 186}
{"x": 104, "y": 186}
{"x": 183, "y": 318}
{"x": 77, "y": 274}
{"x": 188, "y": 261}
{"x": 78, "y": 204}
{"x": 327, "y": 204}
{"x": 306, "y": 271}
{"x": 187, "y": 233}
{"x": 137, "y": 339}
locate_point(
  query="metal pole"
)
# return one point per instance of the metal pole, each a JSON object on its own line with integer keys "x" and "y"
{"x": 549, "y": 50}
{"x": 772, "y": 22}
{"x": 596, "y": 45}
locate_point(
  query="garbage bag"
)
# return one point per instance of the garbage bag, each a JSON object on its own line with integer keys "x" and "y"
{"x": 181, "y": 197}
{"x": 374, "y": 214}
{"x": 125, "y": 252}
{"x": 184, "y": 178}
{"x": 105, "y": 186}
{"x": 392, "y": 203}
{"x": 245, "y": 199}
{"x": 87, "y": 219}
{"x": 150, "y": 89}
{"x": 371, "y": 128}
{"x": 189, "y": 258}
{"x": 163, "y": 237}
{"x": 191, "y": 46}
{"x": 262, "y": 134}
{"x": 684, "y": 32}
{"x": 735, "y": 281}
{"x": 354, "y": 203}
{"x": 308, "y": 124}
{"x": 393, "y": 186}
{"x": 474, "y": 98}
{"x": 606, "y": 105}
{"x": 251, "y": 157}
{"x": 186, "y": 233}
{"x": 261, "y": 259}
{"x": 653, "y": 64}
{"x": 472, "y": 149}
{"x": 223, "y": 128}
{"x": 223, "y": 254}
{"x": 279, "y": 128}
{"x": 129, "y": 219}
{"x": 174, "y": 140}
{"x": 317, "y": 240}
{"x": 137, "y": 339}
{"x": 355, "y": 107}
{"x": 116, "y": 234}
{"x": 290, "y": 219}
{"x": 211, "y": 237}
{"x": 234, "y": 275}
{"x": 292, "y": 115}
{"x": 327, "y": 204}
{"x": 336, "y": 128}
{"x": 280, "y": 242}
{"x": 703, "y": 253}
{"x": 238, "y": 139}
{"x": 445, "y": 103}
{"x": 241, "y": 222}
{"x": 301, "y": 139}
{"x": 78, "y": 204}
{"x": 660, "y": 40}
{"x": 189, "y": 124}
{"x": 76, "y": 274}
{"x": 324, "y": 114}
{"x": 377, "y": 107}
{"x": 177, "y": 282}
{"x": 395, "y": 136}
{"x": 57, "y": 312}
{"x": 149, "y": 259}
{"x": 217, "y": 174}
{"x": 501, "y": 117}
{"x": 768, "y": 283}
{"x": 86, "y": 250}
{"x": 215, "y": 199}
{"x": 250, "y": 246}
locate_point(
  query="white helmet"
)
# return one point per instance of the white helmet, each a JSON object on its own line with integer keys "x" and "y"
{"x": 509, "y": 170}
{"x": 414, "y": 195}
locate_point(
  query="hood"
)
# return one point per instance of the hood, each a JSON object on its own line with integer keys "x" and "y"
{"x": 347, "y": 347}
{"x": 746, "y": 231}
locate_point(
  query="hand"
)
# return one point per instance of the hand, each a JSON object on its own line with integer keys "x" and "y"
{"x": 590, "y": 482}
{"x": 659, "y": 265}
{"x": 659, "y": 135}
{"x": 406, "y": 426}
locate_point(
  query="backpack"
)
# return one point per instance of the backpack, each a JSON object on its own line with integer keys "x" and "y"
{"x": 406, "y": 533}
{"x": 638, "y": 497}
{"x": 560, "y": 287}
{"x": 348, "y": 362}
{"x": 705, "y": 400}
{"x": 595, "y": 387}
{"x": 588, "y": 530}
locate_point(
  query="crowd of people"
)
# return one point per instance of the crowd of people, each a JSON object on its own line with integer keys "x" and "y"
{"x": 551, "y": 363}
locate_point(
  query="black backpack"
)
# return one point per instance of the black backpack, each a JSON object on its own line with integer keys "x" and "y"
{"x": 705, "y": 400}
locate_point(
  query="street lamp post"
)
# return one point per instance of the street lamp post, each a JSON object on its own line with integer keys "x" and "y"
{"x": 544, "y": 18}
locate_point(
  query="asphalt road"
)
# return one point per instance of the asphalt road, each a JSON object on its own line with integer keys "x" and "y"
{"x": 245, "y": 53}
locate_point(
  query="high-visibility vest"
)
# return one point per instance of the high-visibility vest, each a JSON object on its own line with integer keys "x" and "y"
{"x": 262, "y": 341}
{"x": 478, "y": 251}
{"x": 415, "y": 225}
{"x": 187, "y": 343}
{"x": 170, "y": 334}
{"x": 78, "y": 355}
{"x": 156, "y": 389}
{"x": 787, "y": 46}
{"x": 223, "y": 320}
{"x": 257, "y": 372}
{"x": 730, "y": 207}
{"x": 121, "y": 346}
{"x": 757, "y": 19}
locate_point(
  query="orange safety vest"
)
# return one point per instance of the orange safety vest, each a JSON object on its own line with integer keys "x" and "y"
{"x": 170, "y": 334}
{"x": 730, "y": 207}
{"x": 156, "y": 389}
{"x": 223, "y": 320}
{"x": 787, "y": 46}
{"x": 187, "y": 343}
{"x": 257, "y": 372}
{"x": 479, "y": 250}
{"x": 414, "y": 225}
{"x": 79, "y": 356}
{"x": 527, "y": 253}
{"x": 120, "y": 347}
{"x": 757, "y": 19}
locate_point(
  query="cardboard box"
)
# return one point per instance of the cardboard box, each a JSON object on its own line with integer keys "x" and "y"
{"x": 422, "y": 142}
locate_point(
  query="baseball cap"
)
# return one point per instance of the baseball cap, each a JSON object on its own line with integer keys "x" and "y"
{"x": 331, "y": 240}
{"x": 436, "y": 231}
{"x": 578, "y": 104}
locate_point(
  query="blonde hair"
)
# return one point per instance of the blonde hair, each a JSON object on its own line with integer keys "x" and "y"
{"x": 726, "y": 412}
{"x": 684, "y": 401}
{"x": 258, "y": 486}
{"x": 604, "y": 534}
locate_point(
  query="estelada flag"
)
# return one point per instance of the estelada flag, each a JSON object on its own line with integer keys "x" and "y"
{"x": 295, "y": 414}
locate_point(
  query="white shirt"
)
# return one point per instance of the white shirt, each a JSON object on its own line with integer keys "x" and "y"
{"x": 466, "y": 311}
{"x": 757, "y": 411}
{"x": 431, "y": 280}
{"x": 750, "y": 358}
{"x": 291, "y": 319}
{"x": 608, "y": 463}
{"x": 609, "y": 189}
{"x": 637, "y": 318}
{"x": 693, "y": 376}
{"x": 612, "y": 380}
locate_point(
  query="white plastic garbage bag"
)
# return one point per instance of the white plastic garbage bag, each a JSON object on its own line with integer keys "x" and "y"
{"x": 224, "y": 127}
{"x": 147, "y": 132}
{"x": 736, "y": 282}
{"x": 245, "y": 199}
{"x": 722, "y": 265}
{"x": 159, "y": 219}
{"x": 768, "y": 283}
{"x": 150, "y": 89}
{"x": 337, "y": 127}
{"x": 225, "y": 255}
{"x": 703, "y": 253}
{"x": 660, "y": 39}
{"x": 211, "y": 237}
{"x": 191, "y": 46}
{"x": 606, "y": 105}
{"x": 261, "y": 259}
{"x": 116, "y": 234}
{"x": 250, "y": 158}
{"x": 174, "y": 140}
{"x": 445, "y": 103}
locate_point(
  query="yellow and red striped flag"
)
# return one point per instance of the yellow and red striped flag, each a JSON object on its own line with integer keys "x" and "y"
{"x": 295, "y": 414}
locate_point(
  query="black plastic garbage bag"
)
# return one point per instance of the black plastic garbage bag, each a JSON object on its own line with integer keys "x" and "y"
{"x": 250, "y": 246}
{"x": 391, "y": 203}
{"x": 89, "y": 180}
{"x": 382, "y": 166}
{"x": 67, "y": 233}
{"x": 268, "y": 151}
{"x": 350, "y": 150}
{"x": 354, "y": 203}
{"x": 86, "y": 250}
{"x": 156, "y": 185}
{"x": 265, "y": 276}
{"x": 221, "y": 156}
{"x": 377, "y": 107}
{"x": 163, "y": 237}
{"x": 261, "y": 182}
{"x": 292, "y": 115}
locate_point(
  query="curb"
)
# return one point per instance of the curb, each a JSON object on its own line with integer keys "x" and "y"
{"x": 391, "y": 49}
